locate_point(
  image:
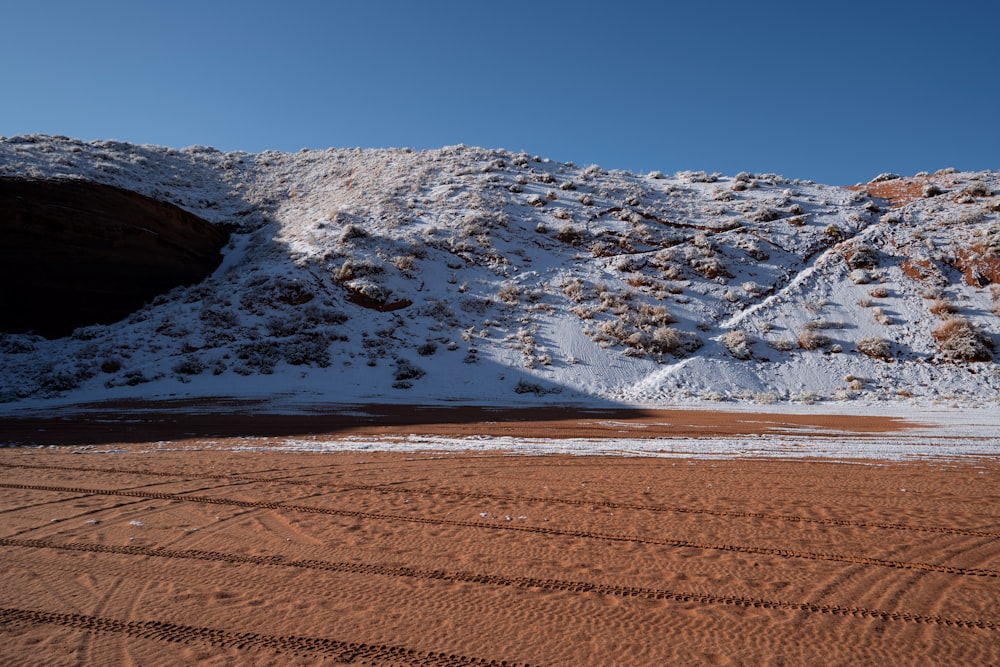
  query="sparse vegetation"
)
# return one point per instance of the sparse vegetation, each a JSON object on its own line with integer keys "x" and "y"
{"x": 960, "y": 339}
{"x": 943, "y": 307}
{"x": 811, "y": 339}
{"x": 878, "y": 348}
{"x": 738, "y": 344}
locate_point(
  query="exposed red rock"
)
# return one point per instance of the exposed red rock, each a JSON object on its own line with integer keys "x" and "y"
{"x": 77, "y": 253}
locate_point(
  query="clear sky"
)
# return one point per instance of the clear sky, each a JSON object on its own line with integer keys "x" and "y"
{"x": 836, "y": 92}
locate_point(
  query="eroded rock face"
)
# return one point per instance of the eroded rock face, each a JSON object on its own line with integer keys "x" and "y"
{"x": 75, "y": 253}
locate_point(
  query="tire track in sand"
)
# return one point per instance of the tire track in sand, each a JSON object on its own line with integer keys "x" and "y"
{"x": 538, "y": 530}
{"x": 342, "y": 651}
{"x": 519, "y": 582}
{"x": 887, "y": 525}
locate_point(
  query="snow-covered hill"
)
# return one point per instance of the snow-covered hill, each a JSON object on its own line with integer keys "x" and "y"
{"x": 484, "y": 276}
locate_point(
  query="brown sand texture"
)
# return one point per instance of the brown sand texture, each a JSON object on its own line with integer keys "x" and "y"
{"x": 181, "y": 552}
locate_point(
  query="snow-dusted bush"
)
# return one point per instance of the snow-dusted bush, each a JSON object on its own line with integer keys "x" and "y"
{"x": 570, "y": 234}
{"x": 878, "y": 348}
{"x": 811, "y": 339}
{"x": 710, "y": 267}
{"x": 782, "y": 344}
{"x": 863, "y": 257}
{"x": 698, "y": 176}
{"x": 509, "y": 293}
{"x": 860, "y": 276}
{"x": 111, "y": 365}
{"x": 807, "y": 397}
{"x": 630, "y": 263}
{"x": 979, "y": 190}
{"x": 943, "y": 307}
{"x": 427, "y": 349}
{"x": 932, "y": 190}
{"x": 575, "y": 290}
{"x": 406, "y": 371}
{"x": 309, "y": 349}
{"x": 352, "y": 232}
{"x": 766, "y": 214}
{"x": 404, "y": 262}
{"x": 258, "y": 356}
{"x": 960, "y": 339}
{"x": 738, "y": 343}
{"x": 650, "y": 316}
{"x": 525, "y": 387}
{"x": 813, "y": 325}
{"x": 879, "y": 292}
{"x": 883, "y": 177}
{"x": 218, "y": 318}
{"x": 881, "y": 317}
{"x": 189, "y": 366}
{"x": 668, "y": 340}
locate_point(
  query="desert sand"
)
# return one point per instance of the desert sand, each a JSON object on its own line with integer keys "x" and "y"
{"x": 144, "y": 542}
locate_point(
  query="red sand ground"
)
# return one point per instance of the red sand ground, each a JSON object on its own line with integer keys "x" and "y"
{"x": 212, "y": 557}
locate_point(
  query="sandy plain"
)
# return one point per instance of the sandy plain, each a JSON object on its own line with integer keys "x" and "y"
{"x": 148, "y": 541}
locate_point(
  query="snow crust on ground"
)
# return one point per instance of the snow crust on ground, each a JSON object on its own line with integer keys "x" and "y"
{"x": 932, "y": 433}
{"x": 473, "y": 276}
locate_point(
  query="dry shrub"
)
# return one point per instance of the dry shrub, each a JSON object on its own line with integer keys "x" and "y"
{"x": 881, "y": 317}
{"x": 738, "y": 344}
{"x": 863, "y": 257}
{"x": 654, "y": 315}
{"x": 960, "y": 339}
{"x": 782, "y": 345}
{"x": 878, "y": 348}
{"x": 509, "y": 294}
{"x": 571, "y": 235}
{"x": 811, "y": 339}
{"x": 879, "y": 292}
{"x": 575, "y": 290}
{"x": 668, "y": 340}
{"x": 943, "y": 307}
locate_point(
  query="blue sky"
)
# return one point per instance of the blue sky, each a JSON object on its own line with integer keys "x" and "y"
{"x": 833, "y": 92}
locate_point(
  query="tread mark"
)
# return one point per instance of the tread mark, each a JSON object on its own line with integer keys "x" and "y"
{"x": 538, "y": 530}
{"x": 539, "y": 499}
{"x": 173, "y": 632}
{"x": 496, "y": 580}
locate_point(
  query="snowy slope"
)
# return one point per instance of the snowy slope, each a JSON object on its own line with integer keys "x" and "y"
{"x": 483, "y": 276}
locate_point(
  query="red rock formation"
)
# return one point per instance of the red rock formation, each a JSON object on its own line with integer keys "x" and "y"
{"x": 75, "y": 253}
